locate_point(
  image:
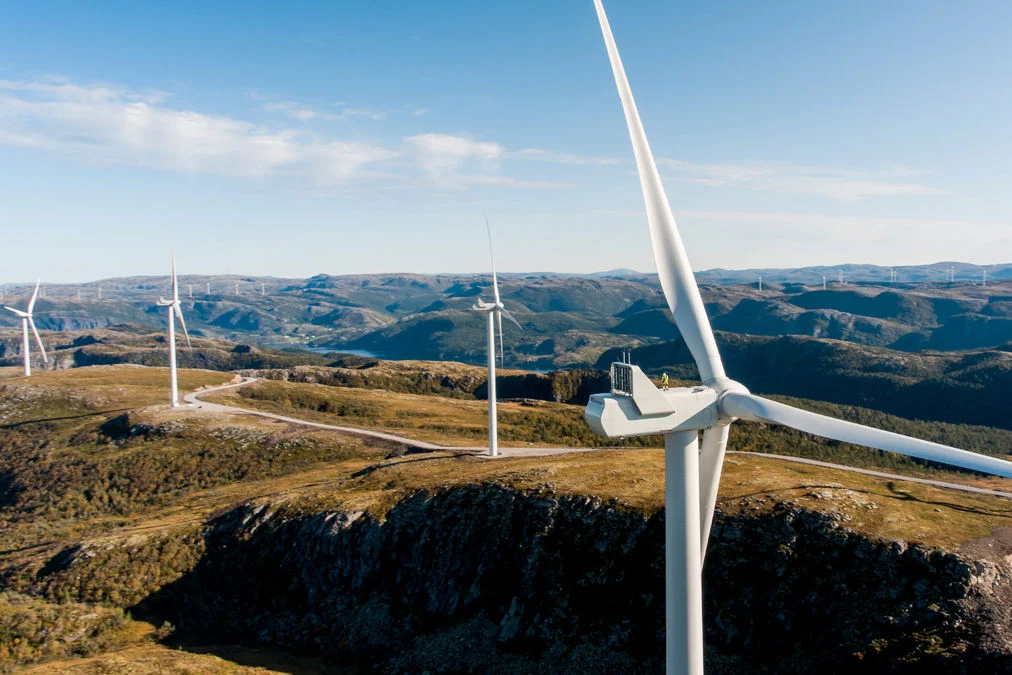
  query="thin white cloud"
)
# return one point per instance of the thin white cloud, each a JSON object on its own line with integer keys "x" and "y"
{"x": 445, "y": 155}
{"x": 102, "y": 124}
{"x": 458, "y": 162}
{"x": 109, "y": 125}
{"x": 839, "y": 184}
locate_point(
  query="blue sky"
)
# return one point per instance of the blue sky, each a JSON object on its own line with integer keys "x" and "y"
{"x": 363, "y": 136}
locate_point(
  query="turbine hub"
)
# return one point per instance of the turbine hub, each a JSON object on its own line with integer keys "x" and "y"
{"x": 723, "y": 386}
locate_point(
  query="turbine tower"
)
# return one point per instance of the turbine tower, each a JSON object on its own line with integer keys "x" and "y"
{"x": 635, "y": 407}
{"x": 175, "y": 311}
{"x": 27, "y": 321}
{"x": 495, "y": 311}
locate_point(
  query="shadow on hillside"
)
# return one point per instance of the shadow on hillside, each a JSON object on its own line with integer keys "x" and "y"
{"x": 15, "y": 425}
{"x": 375, "y": 467}
{"x": 897, "y": 493}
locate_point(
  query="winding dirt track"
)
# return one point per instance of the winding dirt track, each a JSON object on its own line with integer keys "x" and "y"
{"x": 194, "y": 399}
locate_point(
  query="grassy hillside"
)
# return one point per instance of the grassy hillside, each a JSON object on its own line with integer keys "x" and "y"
{"x": 109, "y": 498}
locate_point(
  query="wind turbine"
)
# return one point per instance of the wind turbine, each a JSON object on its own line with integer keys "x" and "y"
{"x": 26, "y": 322}
{"x": 495, "y": 311}
{"x": 174, "y": 310}
{"x": 635, "y": 407}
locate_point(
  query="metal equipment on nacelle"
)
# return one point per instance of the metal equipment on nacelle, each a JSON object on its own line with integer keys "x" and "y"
{"x": 635, "y": 407}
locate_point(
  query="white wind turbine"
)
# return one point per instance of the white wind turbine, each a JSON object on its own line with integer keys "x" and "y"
{"x": 692, "y": 475}
{"x": 495, "y": 311}
{"x": 175, "y": 311}
{"x": 27, "y": 321}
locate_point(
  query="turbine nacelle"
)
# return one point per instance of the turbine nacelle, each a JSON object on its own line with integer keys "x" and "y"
{"x": 482, "y": 306}
{"x": 636, "y": 407}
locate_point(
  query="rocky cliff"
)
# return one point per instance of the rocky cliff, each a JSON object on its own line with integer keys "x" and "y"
{"x": 483, "y": 578}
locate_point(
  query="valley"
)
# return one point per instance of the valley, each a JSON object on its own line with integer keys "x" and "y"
{"x": 568, "y": 321}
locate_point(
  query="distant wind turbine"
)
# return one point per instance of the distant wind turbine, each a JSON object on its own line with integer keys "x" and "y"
{"x": 27, "y": 321}
{"x": 823, "y": 282}
{"x": 635, "y": 407}
{"x": 495, "y": 311}
{"x": 175, "y": 311}
{"x": 760, "y": 283}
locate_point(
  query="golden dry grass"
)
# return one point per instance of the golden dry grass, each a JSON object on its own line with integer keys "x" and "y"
{"x": 447, "y": 421}
{"x": 158, "y": 659}
{"x": 632, "y": 478}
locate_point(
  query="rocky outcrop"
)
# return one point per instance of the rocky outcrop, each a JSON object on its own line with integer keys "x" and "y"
{"x": 487, "y": 579}
{"x": 561, "y": 386}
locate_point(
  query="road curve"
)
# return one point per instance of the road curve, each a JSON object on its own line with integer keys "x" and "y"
{"x": 194, "y": 399}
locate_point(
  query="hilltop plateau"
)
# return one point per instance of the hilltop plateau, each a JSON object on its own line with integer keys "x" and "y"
{"x": 140, "y": 534}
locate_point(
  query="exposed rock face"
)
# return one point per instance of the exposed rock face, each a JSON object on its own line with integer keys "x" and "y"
{"x": 561, "y": 386}
{"x": 487, "y": 579}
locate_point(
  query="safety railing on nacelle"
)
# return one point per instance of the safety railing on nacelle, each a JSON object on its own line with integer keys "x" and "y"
{"x": 621, "y": 379}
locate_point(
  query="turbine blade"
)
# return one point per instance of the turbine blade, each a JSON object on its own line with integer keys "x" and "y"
{"x": 495, "y": 282}
{"x": 35, "y": 296}
{"x": 38, "y": 340}
{"x": 673, "y": 267}
{"x": 711, "y": 459}
{"x": 756, "y": 408}
{"x": 16, "y": 311}
{"x": 182, "y": 324}
{"x": 510, "y": 317}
